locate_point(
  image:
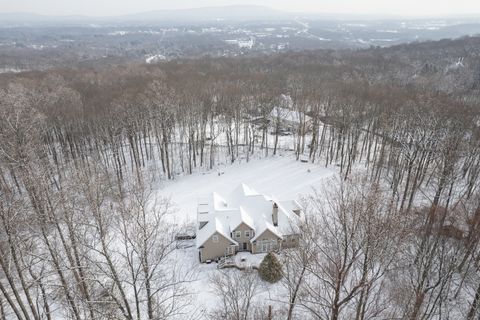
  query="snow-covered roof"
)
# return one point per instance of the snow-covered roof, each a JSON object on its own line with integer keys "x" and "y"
{"x": 211, "y": 228}
{"x": 245, "y": 206}
{"x": 242, "y": 217}
{"x": 287, "y": 115}
{"x": 270, "y": 227}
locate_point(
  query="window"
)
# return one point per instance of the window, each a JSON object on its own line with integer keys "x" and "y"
{"x": 247, "y": 233}
{"x": 238, "y": 234}
{"x": 215, "y": 238}
{"x": 265, "y": 246}
{"x": 230, "y": 250}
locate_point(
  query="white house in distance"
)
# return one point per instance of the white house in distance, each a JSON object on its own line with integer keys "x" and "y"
{"x": 245, "y": 221}
{"x": 288, "y": 120}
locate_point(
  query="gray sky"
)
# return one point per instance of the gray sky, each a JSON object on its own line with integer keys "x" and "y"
{"x": 117, "y": 7}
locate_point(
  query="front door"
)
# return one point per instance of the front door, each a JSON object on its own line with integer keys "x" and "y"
{"x": 244, "y": 246}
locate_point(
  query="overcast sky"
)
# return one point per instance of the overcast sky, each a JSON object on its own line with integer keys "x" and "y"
{"x": 117, "y": 7}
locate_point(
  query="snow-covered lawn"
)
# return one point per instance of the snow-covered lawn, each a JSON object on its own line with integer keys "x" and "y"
{"x": 282, "y": 177}
{"x": 203, "y": 296}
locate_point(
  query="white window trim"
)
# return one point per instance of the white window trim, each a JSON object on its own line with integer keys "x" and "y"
{"x": 238, "y": 234}
{"x": 247, "y": 233}
{"x": 215, "y": 238}
{"x": 230, "y": 250}
{"x": 267, "y": 245}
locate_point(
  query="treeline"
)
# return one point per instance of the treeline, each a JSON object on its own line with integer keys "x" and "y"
{"x": 79, "y": 149}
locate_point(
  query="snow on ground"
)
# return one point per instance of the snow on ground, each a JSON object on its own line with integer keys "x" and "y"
{"x": 204, "y": 298}
{"x": 279, "y": 176}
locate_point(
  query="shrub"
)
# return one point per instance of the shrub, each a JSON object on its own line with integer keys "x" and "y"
{"x": 270, "y": 269}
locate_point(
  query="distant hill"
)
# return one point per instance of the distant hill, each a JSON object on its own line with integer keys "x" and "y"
{"x": 235, "y": 13}
{"x": 230, "y": 13}
{"x": 26, "y": 18}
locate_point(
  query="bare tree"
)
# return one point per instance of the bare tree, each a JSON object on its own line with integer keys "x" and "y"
{"x": 351, "y": 231}
{"x": 237, "y": 292}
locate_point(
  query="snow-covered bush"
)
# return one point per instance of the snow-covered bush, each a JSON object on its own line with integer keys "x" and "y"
{"x": 270, "y": 269}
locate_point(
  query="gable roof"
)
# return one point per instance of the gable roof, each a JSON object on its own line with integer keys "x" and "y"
{"x": 244, "y": 205}
{"x": 242, "y": 217}
{"x": 267, "y": 227}
{"x": 212, "y": 227}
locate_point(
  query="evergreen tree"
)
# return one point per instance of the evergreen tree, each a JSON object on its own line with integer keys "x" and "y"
{"x": 270, "y": 269}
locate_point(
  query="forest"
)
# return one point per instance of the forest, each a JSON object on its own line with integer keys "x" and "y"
{"x": 397, "y": 237}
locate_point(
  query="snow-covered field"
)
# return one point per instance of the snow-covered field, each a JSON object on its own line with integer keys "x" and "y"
{"x": 281, "y": 176}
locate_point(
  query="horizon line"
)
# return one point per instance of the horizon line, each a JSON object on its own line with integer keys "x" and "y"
{"x": 376, "y": 15}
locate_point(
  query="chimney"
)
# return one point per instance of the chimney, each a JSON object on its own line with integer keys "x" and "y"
{"x": 275, "y": 214}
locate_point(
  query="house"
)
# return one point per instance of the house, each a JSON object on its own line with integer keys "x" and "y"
{"x": 245, "y": 220}
{"x": 287, "y": 120}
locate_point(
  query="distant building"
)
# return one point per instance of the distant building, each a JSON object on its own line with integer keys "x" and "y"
{"x": 288, "y": 120}
{"x": 245, "y": 221}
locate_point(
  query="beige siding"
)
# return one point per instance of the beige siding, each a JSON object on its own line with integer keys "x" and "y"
{"x": 213, "y": 250}
{"x": 290, "y": 241}
{"x": 243, "y": 238}
{"x": 267, "y": 235}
